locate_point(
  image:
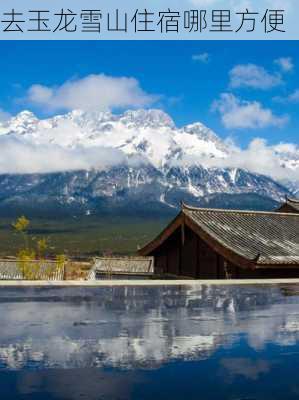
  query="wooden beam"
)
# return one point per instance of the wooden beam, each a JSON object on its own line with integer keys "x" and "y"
{"x": 183, "y": 231}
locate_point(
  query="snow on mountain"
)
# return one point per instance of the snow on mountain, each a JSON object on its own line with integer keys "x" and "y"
{"x": 151, "y": 134}
{"x": 288, "y": 155}
{"x": 170, "y": 162}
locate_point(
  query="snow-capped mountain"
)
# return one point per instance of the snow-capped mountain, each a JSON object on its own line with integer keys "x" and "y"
{"x": 151, "y": 162}
{"x": 151, "y": 134}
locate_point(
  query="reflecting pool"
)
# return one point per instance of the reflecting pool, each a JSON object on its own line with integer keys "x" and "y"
{"x": 150, "y": 342}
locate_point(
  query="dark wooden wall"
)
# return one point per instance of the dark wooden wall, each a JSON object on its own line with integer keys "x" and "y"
{"x": 193, "y": 259}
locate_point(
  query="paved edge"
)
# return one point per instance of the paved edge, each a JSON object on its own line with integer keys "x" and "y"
{"x": 146, "y": 283}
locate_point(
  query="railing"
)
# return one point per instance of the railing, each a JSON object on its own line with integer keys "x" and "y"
{"x": 31, "y": 270}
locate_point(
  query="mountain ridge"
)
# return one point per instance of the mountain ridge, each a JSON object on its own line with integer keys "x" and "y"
{"x": 152, "y": 162}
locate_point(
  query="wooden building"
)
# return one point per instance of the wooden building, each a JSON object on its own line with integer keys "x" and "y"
{"x": 122, "y": 268}
{"x": 289, "y": 206}
{"x": 224, "y": 244}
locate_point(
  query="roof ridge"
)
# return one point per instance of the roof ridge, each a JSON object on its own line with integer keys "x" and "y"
{"x": 228, "y": 211}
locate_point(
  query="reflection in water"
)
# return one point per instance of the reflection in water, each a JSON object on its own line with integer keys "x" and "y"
{"x": 112, "y": 342}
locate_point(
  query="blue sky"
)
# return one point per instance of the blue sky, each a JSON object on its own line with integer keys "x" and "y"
{"x": 239, "y": 89}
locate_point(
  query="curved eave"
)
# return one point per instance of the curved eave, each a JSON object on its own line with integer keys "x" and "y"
{"x": 282, "y": 209}
{"x": 293, "y": 204}
{"x": 290, "y": 200}
{"x": 182, "y": 219}
{"x": 160, "y": 239}
{"x": 271, "y": 265}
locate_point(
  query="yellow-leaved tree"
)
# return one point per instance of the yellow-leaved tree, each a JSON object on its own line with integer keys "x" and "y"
{"x": 31, "y": 257}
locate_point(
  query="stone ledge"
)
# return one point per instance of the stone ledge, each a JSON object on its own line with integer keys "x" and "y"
{"x": 104, "y": 283}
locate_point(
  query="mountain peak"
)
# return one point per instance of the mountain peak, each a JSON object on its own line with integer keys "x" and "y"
{"x": 153, "y": 118}
{"x": 89, "y": 115}
{"x": 202, "y": 132}
{"x": 25, "y": 115}
{"x": 22, "y": 123}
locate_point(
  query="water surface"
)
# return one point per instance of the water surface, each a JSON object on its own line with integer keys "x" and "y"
{"x": 175, "y": 342}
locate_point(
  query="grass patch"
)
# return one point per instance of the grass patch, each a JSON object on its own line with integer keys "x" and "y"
{"x": 85, "y": 236}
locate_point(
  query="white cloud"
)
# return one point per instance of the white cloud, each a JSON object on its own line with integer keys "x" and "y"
{"x": 259, "y": 157}
{"x": 203, "y": 57}
{"x": 253, "y": 76}
{"x": 18, "y": 156}
{"x": 285, "y": 64}
{"x": 241, "y": 114}
{"x": 93, "y": 92}
{"x": 289, "y": 148}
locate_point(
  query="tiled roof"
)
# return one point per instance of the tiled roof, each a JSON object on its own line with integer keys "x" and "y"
{"x": 45, "y": 270}
{"x": 267, "y": 238}
{"x": 123, "y": 265}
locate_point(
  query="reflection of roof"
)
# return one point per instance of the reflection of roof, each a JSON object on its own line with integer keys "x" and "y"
{"x": 124, "y": 265}
{"x": 258, "y": 238}
{"x": 39, "y": 270}
{"x": 294, "y": 203}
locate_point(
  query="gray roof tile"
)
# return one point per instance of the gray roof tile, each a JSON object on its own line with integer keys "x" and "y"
{"x": 123, "y": 265}
{"x": 269, "y": 238}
